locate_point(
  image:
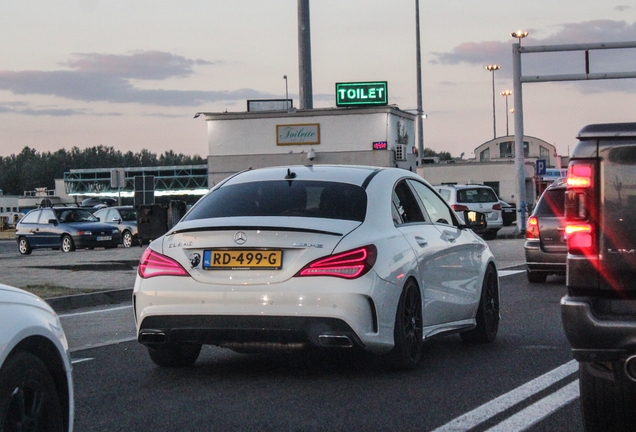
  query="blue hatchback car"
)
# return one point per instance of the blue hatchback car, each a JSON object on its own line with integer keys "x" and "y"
{"x": 65, "y": 228}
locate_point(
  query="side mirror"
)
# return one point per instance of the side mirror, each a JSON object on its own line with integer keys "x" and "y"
{"x": 475, "y": 220}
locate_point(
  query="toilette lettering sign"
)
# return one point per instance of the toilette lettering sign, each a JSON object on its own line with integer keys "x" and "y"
{"x": 298, "y": 134}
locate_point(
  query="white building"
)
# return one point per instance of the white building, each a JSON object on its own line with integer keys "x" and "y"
{"x": 494, "y": 165}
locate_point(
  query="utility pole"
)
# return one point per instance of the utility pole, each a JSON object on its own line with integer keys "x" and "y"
{"x": 304, "y": 56}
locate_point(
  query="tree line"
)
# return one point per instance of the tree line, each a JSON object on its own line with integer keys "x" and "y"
{"x": 31, "y": 169}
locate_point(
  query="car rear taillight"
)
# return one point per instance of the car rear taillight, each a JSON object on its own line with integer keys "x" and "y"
{"x": 532, "y": 228}
{"x": 154, "y": 264}
{"x": 496, "y": 206}
{"x": 580, "y": 207}
{"x": 459, "y": 207}
{"x": 348, "y": 265}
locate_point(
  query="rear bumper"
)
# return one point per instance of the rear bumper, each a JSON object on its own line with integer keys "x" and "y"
{"x": 246, "y": 331}
{"x": 538, "y": 260}
{"x": 599, "y": 338}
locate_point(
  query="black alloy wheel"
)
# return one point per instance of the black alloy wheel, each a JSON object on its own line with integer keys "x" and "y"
{"x": 488, "y": 312}
{"x": 28, "y": 397}
{"x": 408, "y": 332}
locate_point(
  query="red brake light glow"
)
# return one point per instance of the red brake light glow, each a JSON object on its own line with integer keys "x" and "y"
{"x": 532, "y": 228}
{"x": 580, "y": 175}
{"x": 579, "y": 236}
{"x": 154, "y": 264}
{"x": 347, "y": 265}
{"x": 496, "y": 206}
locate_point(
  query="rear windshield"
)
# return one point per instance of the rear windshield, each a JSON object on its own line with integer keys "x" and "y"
{"x": 317, "y": 199}
{"x": 476, "y": 195}
{"x": 552, "y": 203}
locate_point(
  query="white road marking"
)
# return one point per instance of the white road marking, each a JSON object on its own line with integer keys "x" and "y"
{"x": 503, "y": 273}
{"x": 95, "y": 311}
{"x": 498, "y": 405}
{"x": 82, "y": 360}
{"x": 536, "y": 412}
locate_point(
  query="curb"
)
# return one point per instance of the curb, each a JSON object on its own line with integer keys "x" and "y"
{"x": 67, "y": 303}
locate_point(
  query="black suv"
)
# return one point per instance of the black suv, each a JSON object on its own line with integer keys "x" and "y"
{"x": 599, "y": 311}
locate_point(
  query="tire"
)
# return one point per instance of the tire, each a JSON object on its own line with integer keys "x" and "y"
{"x": 127, "y": 239}
{"x": 24, "y": 246}
{"x": 408, "y": 332}
{"x": 67, "y": 243}
{"x": 607, "y": 404}
{"x": 174, "y": 355}
{"x": 488, "y": 312}
{"x": 28, "y": 397}
{"x": 536, "y": 277}
{"x": 490, "y": 235}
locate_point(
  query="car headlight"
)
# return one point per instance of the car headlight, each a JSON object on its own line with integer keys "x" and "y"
{"x": 84, "y": 233}
{"x": 115, "y": 231}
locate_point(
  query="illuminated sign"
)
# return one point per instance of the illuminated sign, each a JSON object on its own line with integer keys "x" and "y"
{"x": 380, "y": 145}
{"x": 362, "y": 93}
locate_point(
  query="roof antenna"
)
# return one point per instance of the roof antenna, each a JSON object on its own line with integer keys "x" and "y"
{"x": 290, "y": 175}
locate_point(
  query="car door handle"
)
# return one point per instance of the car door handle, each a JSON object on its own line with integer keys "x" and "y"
{"x": 421, "y": 241}
{"x": 448, "y": 236}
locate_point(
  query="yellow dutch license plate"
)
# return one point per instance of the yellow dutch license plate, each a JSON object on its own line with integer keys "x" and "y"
{"x": 242, "y": 259}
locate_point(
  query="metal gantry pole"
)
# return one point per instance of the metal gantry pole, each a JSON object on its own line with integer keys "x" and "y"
{"x": 420, "y": 113}
{"x": 519, "y": 151}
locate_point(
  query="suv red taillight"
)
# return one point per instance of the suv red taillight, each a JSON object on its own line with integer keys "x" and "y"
{"x": 496, "y": 206}
{"x": 459, "y": 207}
{"x": 532, "y": 228}
{"x": 349, "y": 265}
{"x": 154, "y": 264}
{"x": 580, "y": 207}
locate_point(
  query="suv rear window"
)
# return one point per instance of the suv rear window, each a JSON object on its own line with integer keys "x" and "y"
{"x": 329, "y": 200}
{"x": 476, "y": 195}
{"x": 552, "y": 203}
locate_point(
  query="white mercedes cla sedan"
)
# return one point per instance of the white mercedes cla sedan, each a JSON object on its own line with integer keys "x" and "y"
{"x": 338, "y": 257}
{"x": 36, "y": 383}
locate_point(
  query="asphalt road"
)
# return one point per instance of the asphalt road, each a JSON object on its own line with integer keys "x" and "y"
{"x": 526, "y": 380}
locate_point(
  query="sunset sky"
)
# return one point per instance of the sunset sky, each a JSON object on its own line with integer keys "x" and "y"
{"x": 132, "y": 74}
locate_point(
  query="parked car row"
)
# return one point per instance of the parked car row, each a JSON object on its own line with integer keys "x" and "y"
{"x": 71, "y": 228}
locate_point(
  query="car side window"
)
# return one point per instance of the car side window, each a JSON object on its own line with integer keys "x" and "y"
{"x": 32, "y": 217}
{"x": 405, "y": 204}
{"x": 46, "y": 216}
{"x": 100, "y": 215}
{"x": 436, "y": 208}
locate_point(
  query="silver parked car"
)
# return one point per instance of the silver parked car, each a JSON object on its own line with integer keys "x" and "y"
{"x": 125, "y": 217}
{"x": 546, "y": 247}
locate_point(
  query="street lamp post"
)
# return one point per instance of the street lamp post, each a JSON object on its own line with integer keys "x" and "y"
{"x": 519, "y": 35}
{"x": 492, "y": 68}
{"x": 505, "y": 94}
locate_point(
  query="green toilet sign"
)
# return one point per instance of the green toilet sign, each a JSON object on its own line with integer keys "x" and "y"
{"x": 361, "y": 93}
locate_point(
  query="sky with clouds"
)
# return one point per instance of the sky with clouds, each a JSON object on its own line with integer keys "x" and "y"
{"x": 132, "y": 74}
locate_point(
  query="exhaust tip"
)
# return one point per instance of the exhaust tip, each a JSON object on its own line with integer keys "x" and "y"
{"x": 337, "y": 341}
{"x": 630, "y": 368}
{"x": 152, "y": 337}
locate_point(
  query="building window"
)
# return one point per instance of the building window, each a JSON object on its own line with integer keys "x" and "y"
{"x": 526, "y": 148}
{"x": 544, "y": 153}
{"x": 484, "y": 156}
{"x": 507, "y": 149}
